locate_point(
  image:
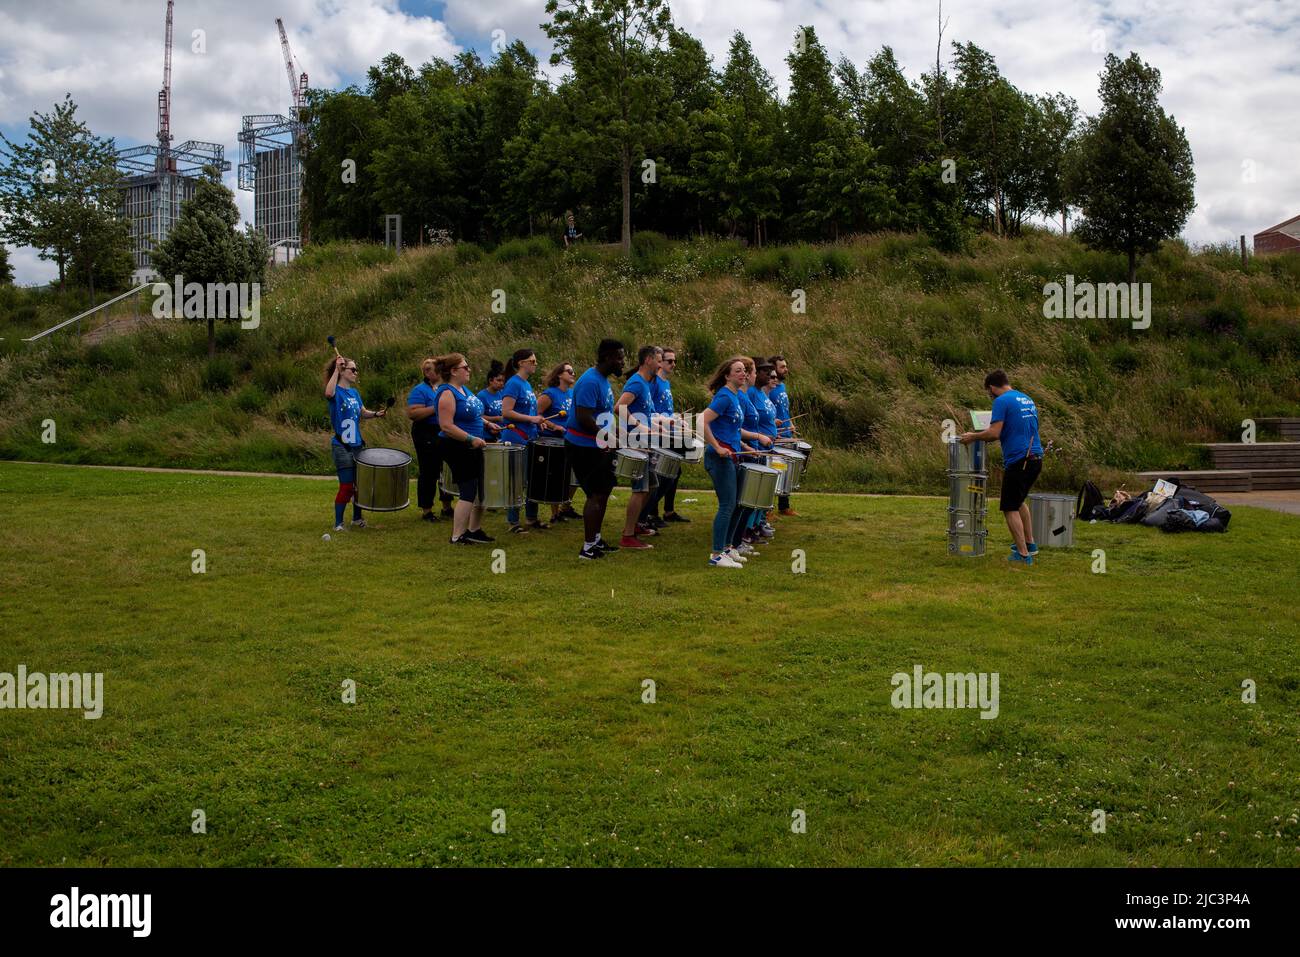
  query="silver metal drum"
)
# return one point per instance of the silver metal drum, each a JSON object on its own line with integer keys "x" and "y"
{"x": 696, "y": 452}
{"x": 968, "y": 459}
{"x": 631, "y": 464}
{"x": 966, "y": 544}
{"x": 1052, "y": 517}
{"x": 967, "y": 493}
{"x": 961, "y": 520}
{"x": 383, "y": 480}
{"x": 446, "y": 482}
{"x": 505, "y": 467}
{"x": 794, "y": 463}
{"x": 757, "y": 486}
{"x": 666, "y": 464}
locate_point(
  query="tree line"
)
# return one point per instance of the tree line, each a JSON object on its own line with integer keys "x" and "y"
{"x": 645, "y": 128}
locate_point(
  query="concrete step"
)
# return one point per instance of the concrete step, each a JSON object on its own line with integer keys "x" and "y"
{"x": 1217, "y": 480}
{"x": 1261, "y": 455}
{"x": 1262, "y": 480}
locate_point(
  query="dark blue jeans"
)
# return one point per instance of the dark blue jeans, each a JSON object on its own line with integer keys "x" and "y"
{"x": 723, "y": 473}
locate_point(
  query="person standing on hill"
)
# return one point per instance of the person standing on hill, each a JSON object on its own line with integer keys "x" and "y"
{"x": 784, "y": 424}
{"x": 1015, "y": 426}
{"x": 571, "y": 234}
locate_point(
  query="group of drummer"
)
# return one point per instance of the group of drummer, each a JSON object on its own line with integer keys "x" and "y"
{"x": 451, "y": 425}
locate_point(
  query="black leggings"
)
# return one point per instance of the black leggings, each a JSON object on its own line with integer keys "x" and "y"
{"x": 429, "y": 456}
{"x": 466, "y": 466}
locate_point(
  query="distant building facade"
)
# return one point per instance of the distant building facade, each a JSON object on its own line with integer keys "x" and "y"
{"x": 1282, "y": 238}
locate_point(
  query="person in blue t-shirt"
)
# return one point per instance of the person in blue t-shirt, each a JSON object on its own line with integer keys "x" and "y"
{"x": 784, "y": 422}
{"x": 666, "y": 491}
{"x": 721, "y": 425}
{"x": 422, "y": 411}
{"x": 1015, "y": 426}
{"x": 346, "y": 413}
{"x": 490, "y": 396}
{"x": 746, "y": 535}
{"x": 591, "y": 456}
{"x": 460, "y": 416}
{"x": 523, "y": 423}
{"x": 554, "y": 404}
{"x": 636, "y": 406}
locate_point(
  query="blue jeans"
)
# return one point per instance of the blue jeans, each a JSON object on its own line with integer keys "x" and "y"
{"x": 723, "y": 473}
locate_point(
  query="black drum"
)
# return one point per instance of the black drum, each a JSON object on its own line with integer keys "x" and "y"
{"x": 548, "y": 471}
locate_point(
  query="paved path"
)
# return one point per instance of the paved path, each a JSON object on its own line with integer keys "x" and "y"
{"x": 1287, "y": 501}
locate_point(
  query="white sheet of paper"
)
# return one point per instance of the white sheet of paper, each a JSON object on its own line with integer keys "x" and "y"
{"x": 980, "y": 420}
{"x": 1165, "y": 488}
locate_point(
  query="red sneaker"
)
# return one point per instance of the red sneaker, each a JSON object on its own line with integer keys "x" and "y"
{"x": 790, "y": 512}
{"x": 631, "y": 541}
{"x": 646, "y": 530}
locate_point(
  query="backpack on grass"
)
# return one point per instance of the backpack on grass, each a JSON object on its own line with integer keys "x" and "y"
{"x": 1089, "y": 499}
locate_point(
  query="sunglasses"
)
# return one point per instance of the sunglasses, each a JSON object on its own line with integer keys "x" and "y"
{"x": 671, "y": 362}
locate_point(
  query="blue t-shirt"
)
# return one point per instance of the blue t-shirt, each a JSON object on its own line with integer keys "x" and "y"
{"x": 345, "y": 417}
{"x": 642, "y": 406}
{"x": 726, "y": 427}
{"x": 1019, "y": 418}
{"x": 782, "y": 403}
{"x": 491, "y": 401}
{"x": 469, "y": 411}
{"x": 663, "y": 393}
{"x": 424, "y": 395}
{"x": 561, "y": 400}
{"x": 525, "y": 404}
{"x": 751, "y": 414}
{"x": 765, "y": 409}
{"x": 591, "y": 391}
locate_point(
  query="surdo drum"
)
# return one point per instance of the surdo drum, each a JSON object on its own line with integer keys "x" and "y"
{"x": 757, "y": 486}
{"x": 631, "y": 464}
{"x": 966, "y": 459}
{"x": 548, "y": 471}
{"x": 504, "y": 468}
{"x": 383, "y": 480}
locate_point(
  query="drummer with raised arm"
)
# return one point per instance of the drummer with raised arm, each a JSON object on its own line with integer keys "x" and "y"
{"x": 346, "y": 413}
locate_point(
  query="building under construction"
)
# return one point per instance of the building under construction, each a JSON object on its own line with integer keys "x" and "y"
{"x": 270, "y": 164}
{"x": 160, "y": 178}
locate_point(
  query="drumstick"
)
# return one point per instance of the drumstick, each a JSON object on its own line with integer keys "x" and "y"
{"x": 330, "y": 340}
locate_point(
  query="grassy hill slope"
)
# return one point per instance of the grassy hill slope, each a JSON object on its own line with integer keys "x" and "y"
{"x": 896, "y": 338}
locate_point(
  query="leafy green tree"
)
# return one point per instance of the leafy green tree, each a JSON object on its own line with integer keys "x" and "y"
{"x": 6, "y": 268}
{"x": 752, "y": 117}
{"x": 60, "y": 191}
{"x": 205, "y": 245}
{"x": 339, "y": 199}
{"x": 1131, "y": 174}
{"x": 624, "y": 100}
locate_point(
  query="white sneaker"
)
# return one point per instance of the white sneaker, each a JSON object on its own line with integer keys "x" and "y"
{"x": 747, "y": 549}
{"x": 358, "y": 523}
{"x": 340, "y": 528}
{"x": 736, "y": 556}
{"x": 724, "y": 561}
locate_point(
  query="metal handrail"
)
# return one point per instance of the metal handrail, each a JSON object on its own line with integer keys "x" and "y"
{"x": 90, "y": 312}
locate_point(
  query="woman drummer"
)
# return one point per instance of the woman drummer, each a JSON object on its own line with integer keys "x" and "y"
{"x": 519, "y": 410}
{"x": 346, "y": 413}
{"x": 554, "y": 403}
{"x": 491, "y": 399}
{"x": 460, "y": 413}
{"x": 763, "y": 380}
{"x": 744, "y": 538}
{"x": 721, "y": 425}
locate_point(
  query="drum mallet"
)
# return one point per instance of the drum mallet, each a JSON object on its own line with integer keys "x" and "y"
{"x": 330, "y": 340}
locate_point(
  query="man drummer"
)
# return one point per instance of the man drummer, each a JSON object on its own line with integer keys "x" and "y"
{"x": 666, "y": 490}
{"x": 1015, "y": 426}
{"x": 784, "y": 424}
{"x": 636, "y": 407}
{"x": 590, "y": 453}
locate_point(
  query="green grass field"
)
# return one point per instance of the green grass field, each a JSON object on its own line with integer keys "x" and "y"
{"x": 522, "y": 691}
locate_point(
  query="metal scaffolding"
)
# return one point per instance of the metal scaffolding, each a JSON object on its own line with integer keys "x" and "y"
{"x": 157, "y": 181}
{"x": 270, "y": 166}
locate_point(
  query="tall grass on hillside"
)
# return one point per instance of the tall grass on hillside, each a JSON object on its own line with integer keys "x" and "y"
{"x": 895, "y": 339}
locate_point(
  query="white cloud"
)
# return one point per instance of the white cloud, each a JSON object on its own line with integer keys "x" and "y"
{"x": 1229, "y": 68}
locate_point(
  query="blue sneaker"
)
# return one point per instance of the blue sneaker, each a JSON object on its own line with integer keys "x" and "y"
{"x": 1016, "y": 557}
{"x": 1033, "y": 549}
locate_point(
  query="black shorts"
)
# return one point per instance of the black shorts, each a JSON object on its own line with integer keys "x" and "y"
{"x": 466, "y": 463}
{"x": 1017, "y": 480}
{"x": 594, "y": 468}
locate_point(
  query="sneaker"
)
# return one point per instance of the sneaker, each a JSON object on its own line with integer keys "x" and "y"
{"x": 478, "y": 535}
{"x": 747, "y": 549}
{"x": 518, "y": 530}
{"x": 448, "y": 512}
{"x": 645, "y": 530}
{"x": 463, "y": 540}
{"x": 736, "y": 555}
{"x": 340, "y": 528}
{"x": 674, "y": 517}
{"x": 1033, "y": 549}
{"x": 591, "y": 553}
{"x": 358, "y": 523}
{"x": 605, "y": 546}
{"x": 790, "y": 512}
{"x": 428, "y": 517}
{"x": 654, "y": 521}
{"x": 568, "y": 512}
{"x": 766, "y": 531}
{"x": 723, "y": 561}
{"x": 631, "y": 541}
{"x": 539, "y": 525}
{"x": 1015, "y": 557}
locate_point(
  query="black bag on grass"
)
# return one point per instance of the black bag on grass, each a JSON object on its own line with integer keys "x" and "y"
{"x": 1089, "y": 498}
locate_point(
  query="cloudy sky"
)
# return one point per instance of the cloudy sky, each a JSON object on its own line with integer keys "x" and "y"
{"x": 1231, "y": 69}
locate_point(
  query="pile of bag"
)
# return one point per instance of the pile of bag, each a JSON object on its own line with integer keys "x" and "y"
{"x": 1186, "y": 510}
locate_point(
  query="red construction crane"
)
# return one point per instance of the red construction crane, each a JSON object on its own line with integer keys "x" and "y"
{"x": 297, "y": 81}
{"x": 165, "y": 99}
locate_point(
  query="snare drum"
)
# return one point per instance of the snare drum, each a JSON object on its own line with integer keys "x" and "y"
{"x": 757, "y": 486}
{"x": 666, "y": 464}
{"x": 631, "y": 464}
{"x": 792, "y": 463}
{"x": 383, "y": 482}
{"x": 696, "y": 452}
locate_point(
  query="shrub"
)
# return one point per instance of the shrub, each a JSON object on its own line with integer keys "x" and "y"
{"x": 274, "y": 376}
{"x": 467, "y": 253}
{"x": 218, "y": 374}
{"x": 515, "y": 249}
{"x": 1123, "y": 357}
{"x": 250, "y": 399}
{"x": 700, "y": 351}
{"x": 951, "y": 350}
{"x": 1224, "y": 319}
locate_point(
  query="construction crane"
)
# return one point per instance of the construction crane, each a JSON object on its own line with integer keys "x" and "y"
{"x": 165, "y": 160}
{"x": 297, "y": 81}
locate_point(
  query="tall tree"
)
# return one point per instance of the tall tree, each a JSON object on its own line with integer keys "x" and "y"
{"x": 6, "y": 269}
{"x": 205, "y": 246}
{"x": 1131, "y": 174}
{"x": 60, "y": 189}
{"x": 610, "y": 46}
{"x": 752, "y": 115}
